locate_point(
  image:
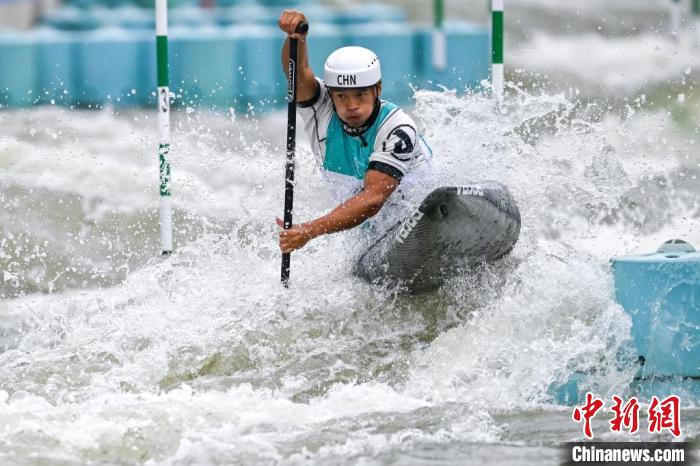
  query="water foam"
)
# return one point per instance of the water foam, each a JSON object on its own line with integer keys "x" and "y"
{"x": 205, "y": 357}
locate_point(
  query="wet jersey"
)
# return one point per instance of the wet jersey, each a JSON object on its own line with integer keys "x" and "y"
{"x": 390, "y": 144}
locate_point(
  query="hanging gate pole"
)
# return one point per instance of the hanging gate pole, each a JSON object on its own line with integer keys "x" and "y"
{"x": 439, "y": 38}
{"x": 163, "y": 98}
{"x": 497, "y": 80}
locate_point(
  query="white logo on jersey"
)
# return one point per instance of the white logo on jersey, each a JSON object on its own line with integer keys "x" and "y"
{"x": 401, "y": 142}
{"x": 291, "y": 72}
{"x": 409, "y": 225}
{"x": 473, "y": 190}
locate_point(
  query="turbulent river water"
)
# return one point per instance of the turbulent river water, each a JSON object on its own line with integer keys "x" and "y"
{"x": 111, "y": 354}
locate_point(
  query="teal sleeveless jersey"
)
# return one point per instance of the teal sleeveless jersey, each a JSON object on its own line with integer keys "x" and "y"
{"x": 349, "y": 155}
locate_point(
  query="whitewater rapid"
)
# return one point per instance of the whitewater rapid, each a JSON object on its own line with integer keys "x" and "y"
{"x": 110, "y": 353}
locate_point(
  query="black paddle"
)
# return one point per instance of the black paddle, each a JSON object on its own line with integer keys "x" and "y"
{"x": 291, "y": 143}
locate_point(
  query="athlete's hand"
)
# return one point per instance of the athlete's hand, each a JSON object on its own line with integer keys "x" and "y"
{"x": 288, "y": 22}
{"x": 294, "y": 238}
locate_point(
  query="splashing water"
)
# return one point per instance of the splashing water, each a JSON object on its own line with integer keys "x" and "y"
{"x": 205, "y": 358}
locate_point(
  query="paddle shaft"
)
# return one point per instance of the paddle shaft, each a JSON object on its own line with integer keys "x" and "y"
{"x": 291, "y": 144}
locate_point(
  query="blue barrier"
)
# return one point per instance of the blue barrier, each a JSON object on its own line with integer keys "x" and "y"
{"x": 150, "y": 4}
{"x": 190, "y": 16}
{"x": 661, "y": 292}
{"x": 18, "y": 71}
{"x": 130, "y": 17}
{"x": 322, "y": 41}
{"x": 280, "y": 4}
{"x": 394, "y": 45}
{"x": 56, "y": 66}
{"x": 101, "y": 4}
{"x": 468, "y": 58}
{"x": 73, "y": 19}
{"x": 204, "y": 66}
{"x": 322, "y": 14}
{"x": 372, "y": 13}
{"x": 107, "y": 67}
{"x": 82, "y": 4}
{"x": 121, "y": 13}
{"x": 230, "y": 3}
{"x": 210, "y": 65}
{"x": 263, "y": 81}
{"x": 148, "y": 80}
{"x": 246, "y": 14}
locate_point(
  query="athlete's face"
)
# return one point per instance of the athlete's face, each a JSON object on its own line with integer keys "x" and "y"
{"x": 354, "y": 106}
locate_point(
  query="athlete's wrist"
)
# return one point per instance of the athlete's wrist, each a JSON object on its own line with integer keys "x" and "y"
{"x": 311, "y": 230}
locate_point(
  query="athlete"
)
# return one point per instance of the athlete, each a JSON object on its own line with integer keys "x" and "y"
{"x": 365, "y": 146}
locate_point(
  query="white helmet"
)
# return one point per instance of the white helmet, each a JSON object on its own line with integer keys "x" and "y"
{"x": 352, "y": 67}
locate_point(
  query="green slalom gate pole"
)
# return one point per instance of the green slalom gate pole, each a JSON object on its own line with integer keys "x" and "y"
{"x": 695, "y": 8}
{"x": 675, "y": 18}
{"x": 497, "y": 80}
{"x": 163, "y": 98}
{"x": 439, "y": 38}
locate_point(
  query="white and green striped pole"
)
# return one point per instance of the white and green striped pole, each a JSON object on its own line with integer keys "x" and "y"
{"x": 163, "y": 97}
{"x": 497, "y": 80}
{"x": 439, "y": 39}
{"x": 675, "y": 18}
{"x": 695, "y": 8}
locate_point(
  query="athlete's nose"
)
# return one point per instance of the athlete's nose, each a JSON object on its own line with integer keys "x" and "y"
{"x": 353, "y": 104}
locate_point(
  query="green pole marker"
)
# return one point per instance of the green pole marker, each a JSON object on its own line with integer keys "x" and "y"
{"x": 163, "y": 98}
{"x": 695, "y": 8}
{"x": 439, "y": 39}
{"x": 497, "y": 79}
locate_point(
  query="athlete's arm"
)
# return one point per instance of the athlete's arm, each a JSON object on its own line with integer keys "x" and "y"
{"x": 306, "y": 83}
{"x": 349, "y": 214}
